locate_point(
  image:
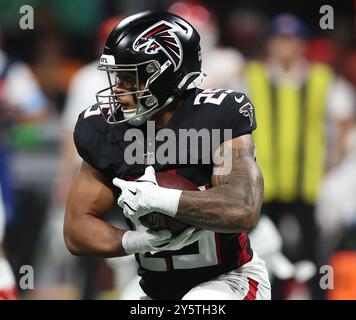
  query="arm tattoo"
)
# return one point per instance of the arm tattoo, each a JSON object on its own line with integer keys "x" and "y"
{"x": 234, "y": 202}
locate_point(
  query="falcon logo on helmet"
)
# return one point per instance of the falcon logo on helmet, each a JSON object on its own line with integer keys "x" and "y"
{"x": 161, "y": 36}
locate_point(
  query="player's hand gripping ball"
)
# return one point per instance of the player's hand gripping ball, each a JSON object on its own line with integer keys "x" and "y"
{"x": 159, "y": 221}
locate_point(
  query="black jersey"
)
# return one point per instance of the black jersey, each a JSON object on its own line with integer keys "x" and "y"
{"x": 216, "y": 113}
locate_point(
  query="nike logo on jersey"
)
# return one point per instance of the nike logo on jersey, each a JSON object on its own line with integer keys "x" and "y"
{"x": 239, "y": 100}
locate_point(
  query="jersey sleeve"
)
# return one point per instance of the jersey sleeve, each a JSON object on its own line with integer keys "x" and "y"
{"x": 99, "y": 144}
{"x": 238, "y": 114}
{"x": 83, "y": 136}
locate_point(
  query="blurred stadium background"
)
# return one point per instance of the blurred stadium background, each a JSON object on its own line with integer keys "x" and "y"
{"x": 45, "y": 93}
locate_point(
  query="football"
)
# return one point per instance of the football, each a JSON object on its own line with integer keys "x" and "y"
{"x": 159, "y": 221}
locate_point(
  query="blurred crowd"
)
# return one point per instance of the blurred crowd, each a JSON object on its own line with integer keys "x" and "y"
{"x": 301, "y": 80}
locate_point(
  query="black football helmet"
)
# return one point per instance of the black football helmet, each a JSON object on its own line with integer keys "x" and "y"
{"x": 158, "y": 56}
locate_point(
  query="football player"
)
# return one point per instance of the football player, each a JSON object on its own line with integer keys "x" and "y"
{"x": 153, "y": 63}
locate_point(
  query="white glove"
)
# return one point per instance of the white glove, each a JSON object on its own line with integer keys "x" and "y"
{"x": 144, "y": 240}
{"x": 155, "y": 241}
{"x": 144, "y": 196}
{"x": 186, "y": 238}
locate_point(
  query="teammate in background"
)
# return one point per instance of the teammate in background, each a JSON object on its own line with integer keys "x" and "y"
{"x": 153, "y": 63}
{"x": 21, "y": 101}
{"x": 306, "y": 111}
{"x": 222, "y": 65}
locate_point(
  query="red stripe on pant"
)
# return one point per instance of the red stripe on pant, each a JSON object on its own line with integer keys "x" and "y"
{"x": 252, "y": 289}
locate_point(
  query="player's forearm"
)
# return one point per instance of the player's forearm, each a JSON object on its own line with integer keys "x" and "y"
{"x": 90, "y": 236}
{"x": 218, "y": 209}
{"x": 233, "y": 205}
